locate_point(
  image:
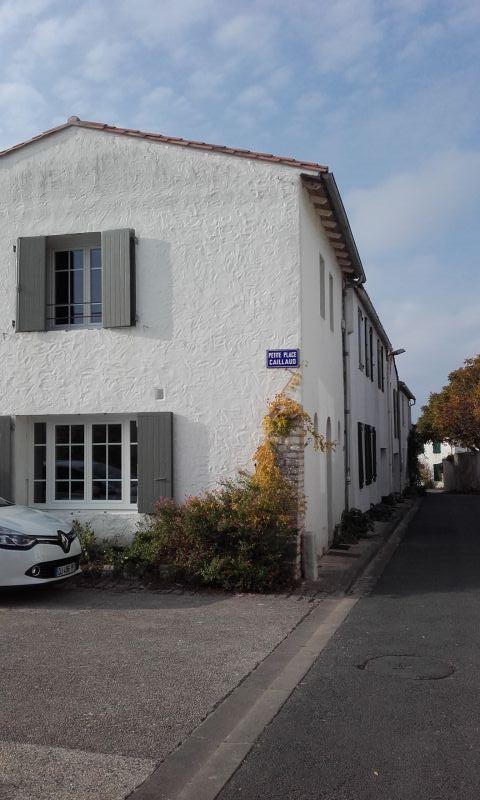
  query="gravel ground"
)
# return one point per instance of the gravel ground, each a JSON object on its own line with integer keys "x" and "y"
{"x": 99, "y": 686}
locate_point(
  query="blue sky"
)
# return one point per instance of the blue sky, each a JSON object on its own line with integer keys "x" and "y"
{"x": 386, "y": 93}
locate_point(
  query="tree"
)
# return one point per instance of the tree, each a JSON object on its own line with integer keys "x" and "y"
{"x": 453, "y": 415}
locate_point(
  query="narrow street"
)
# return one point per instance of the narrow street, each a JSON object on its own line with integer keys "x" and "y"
{"x": 390, "y": 709}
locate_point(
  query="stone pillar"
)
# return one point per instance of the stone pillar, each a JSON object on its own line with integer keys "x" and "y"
{"x": 290, "y": 456}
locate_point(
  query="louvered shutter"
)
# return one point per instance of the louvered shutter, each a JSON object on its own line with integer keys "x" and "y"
{"x": 155, "y": 458}
{"x": 6, "y": 458}
{"x": 118, "y": 278}
{"x": 360, "y": 456}
{"x": 31, "y": 283}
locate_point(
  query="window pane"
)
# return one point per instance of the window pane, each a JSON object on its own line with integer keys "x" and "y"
{"x": 99, "y": 461}
{"x": 96, "y": 286}
{"x": 77, "y": 462}
{"x": 77, "y": 434}
{"x": 76, "y": 259}
{"x": 133, "y": 492}
{"x": 61, "y": 434}
{"x": 61, "y": 288}
{"x": 39, "y": 492}
{"x": 61, "y": 260}
{"x": 99, "y": 433}
{"x": 95, "y": 258}
{"x": 40, "y": 465}
{"x": 62, "y": 463}
{"x": 133, "y": 431}
{"x": 96, "y": 313}
{"x": 62, "y": 490}
{"x": 114, "y": 490}
{"x": 99, "y": 490}
{"x": 40, "y": 433}
{"x": 76, "y": 287}
{"x": 77, "y": 490}
{"x": 115, "y": 461}
{"x": 114, "y": 433}
{"x": 133, "y": 461}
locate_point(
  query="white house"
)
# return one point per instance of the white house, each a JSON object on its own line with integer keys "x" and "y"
{"x": 143, "y": 280}
{"x": 433, "y": 456}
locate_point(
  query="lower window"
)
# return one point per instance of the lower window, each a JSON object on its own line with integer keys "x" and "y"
{"x": 88, "y": 462}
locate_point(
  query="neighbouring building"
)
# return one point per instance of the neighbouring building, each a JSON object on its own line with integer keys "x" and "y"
{"x": 433, "y": 457}
{"x": 143, "y": 280}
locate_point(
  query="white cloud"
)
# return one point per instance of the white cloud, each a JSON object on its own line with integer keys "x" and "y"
{"x": 409, "y": 208}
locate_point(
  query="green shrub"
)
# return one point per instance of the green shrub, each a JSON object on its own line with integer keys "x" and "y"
{"x": 354, "y": 525}
{"x": 240, "y": 537}
{"x": 380, "y": 512}
{"x": 87, "y": 539}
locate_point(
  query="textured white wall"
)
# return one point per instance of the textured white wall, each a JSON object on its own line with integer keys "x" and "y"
{"x": 218, "y": 282}
{"x": 322, "y": 385}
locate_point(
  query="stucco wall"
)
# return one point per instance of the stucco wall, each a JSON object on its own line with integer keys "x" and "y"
{"x": 218, "y": 282}
{"x": 322, "y": 384}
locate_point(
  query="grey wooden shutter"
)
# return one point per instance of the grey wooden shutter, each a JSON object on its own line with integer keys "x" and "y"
{"x": 360, "y": 455}
{"x": 31, "y": 283}
{"x": 155, "y": 458}
{"x": 118, "y": 278}
{"x": 6, "y": 458}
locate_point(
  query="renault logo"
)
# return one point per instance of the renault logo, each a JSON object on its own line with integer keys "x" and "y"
{"x": 64, "y": 541}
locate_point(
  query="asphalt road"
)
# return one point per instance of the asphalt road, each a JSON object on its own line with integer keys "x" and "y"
{"x": 391, "y": 708}
{"x": 99, "y": 686}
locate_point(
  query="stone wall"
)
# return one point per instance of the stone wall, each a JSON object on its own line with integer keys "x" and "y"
{"x": 461, "y": 472}
{"x": 290, "y": 454}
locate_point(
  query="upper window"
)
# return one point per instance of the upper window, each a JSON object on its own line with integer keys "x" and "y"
{"x": 330, "y": 295}
{"x": 437, "y": 447}
{"x": 367, "y": 348}
{"x": 75, "y": 282}
{"x": 322, "y": 287}
{"x": 360, "y": 337}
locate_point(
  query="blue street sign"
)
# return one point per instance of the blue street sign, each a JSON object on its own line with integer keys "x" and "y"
{"x": 283, "y": 359}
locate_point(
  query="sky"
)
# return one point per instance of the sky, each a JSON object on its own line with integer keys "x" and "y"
{"x": 386, "y": 93}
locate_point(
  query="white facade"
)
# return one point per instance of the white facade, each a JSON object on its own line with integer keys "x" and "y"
{"x": 232, "y": 257}
{"x": 225, "y": 247}
{"x": 433, "y": 456}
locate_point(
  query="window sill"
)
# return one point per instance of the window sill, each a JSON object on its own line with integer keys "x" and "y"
{"x": 52, "y": 507}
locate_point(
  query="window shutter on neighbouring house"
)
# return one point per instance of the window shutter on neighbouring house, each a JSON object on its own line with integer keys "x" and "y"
{"x": 155, "y": 458}
{"x": 360, "y": 455}
{"x": 31, "y": 283}
{"x": 118, "y": 278}
{"x": 6, "y": 458}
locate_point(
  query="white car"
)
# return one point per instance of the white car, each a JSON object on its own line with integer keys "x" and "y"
{"x": 35, "y": 548}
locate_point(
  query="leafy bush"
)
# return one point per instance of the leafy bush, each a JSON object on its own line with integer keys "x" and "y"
{"x": 241, "y": 536}
{"x": 354, "y": 525}
{"x": 87, "y": 539}
{"x": 380, "y": 512}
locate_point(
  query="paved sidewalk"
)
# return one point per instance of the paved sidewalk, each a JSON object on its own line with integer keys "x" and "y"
{"x": 97, "y": 686}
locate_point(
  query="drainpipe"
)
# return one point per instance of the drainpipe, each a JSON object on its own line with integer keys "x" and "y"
{"x": 346, "y": 399}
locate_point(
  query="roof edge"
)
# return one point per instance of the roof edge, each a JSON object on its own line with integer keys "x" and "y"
{"x": 172, "y": 140}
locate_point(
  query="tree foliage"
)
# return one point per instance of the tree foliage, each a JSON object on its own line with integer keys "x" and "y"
{"x": 453, "y": 415}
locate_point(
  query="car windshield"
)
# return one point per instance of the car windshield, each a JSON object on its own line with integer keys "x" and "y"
{"x": 4, "y": 502}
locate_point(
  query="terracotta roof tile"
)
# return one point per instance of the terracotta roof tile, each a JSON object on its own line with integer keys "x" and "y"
{"x": 173, "y": 140}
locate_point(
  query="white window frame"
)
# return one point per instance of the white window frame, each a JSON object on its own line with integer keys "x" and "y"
{"x": 57, "y": 244}
{"x": 87, "y": 420}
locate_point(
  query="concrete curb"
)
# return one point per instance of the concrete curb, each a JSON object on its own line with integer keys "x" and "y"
{"x": 201, "y": 766}
{"x": 363, "y": 584}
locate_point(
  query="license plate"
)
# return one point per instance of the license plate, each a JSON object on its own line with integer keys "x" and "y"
{"x": 65, "y": 569}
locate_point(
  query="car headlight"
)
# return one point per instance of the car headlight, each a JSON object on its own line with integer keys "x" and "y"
{"x": 15, "y": 541}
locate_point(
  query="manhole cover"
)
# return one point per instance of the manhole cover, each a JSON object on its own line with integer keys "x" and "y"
{"x": 409, "y": 667}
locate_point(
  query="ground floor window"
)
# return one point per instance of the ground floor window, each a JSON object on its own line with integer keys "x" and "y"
{"x": 89, "y": 462}
{"x": 438, "y": 472}
{"x": 367, "y": 454}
